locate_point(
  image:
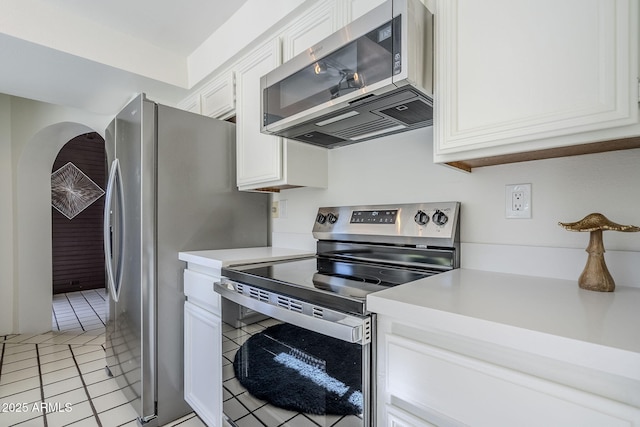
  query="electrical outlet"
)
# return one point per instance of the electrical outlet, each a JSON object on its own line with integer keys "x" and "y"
{"x": 518, "y": 201}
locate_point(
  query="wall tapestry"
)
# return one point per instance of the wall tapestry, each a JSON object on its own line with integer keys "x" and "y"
{"x": 72, "y": 191}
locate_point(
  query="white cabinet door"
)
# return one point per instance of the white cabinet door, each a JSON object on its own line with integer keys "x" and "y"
{"x": 517, "y": 76}
{"x": 191, "y": 104}
{"x": 361, "y": 7}
{"x": 259, "y": 156}
{"x": 203, "y": 363}
{"x": 322, "y": 20}
{"x": 218, "y": 97}
{"x": 266, "y": 162}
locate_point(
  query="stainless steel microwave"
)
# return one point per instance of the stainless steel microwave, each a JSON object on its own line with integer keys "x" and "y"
{"x": 372, "y": 78}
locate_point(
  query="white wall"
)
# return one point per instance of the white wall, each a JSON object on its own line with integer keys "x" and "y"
{"x": 255, "y": 18}
{"x": 6, "y": 218}
{"x": 38, "y": 132}
{"x": 97, "y": 42}
{"x": 399, "y": 169}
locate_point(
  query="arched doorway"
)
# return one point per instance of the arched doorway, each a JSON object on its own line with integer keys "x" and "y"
{"x": 77, "y": 184}
{"x": 33, "y": 225}
{"x": 78, "y": 180}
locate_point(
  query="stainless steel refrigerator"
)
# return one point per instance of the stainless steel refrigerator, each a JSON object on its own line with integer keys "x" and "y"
{"x": 171, "y": 188}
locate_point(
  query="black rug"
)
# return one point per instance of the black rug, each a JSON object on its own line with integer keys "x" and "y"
{"x": 300, "y": 370}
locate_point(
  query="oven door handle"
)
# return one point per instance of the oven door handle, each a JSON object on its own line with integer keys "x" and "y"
{"x": 346, "y": 328}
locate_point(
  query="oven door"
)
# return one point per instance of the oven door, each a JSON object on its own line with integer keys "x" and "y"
{"x": 289, "y": 362}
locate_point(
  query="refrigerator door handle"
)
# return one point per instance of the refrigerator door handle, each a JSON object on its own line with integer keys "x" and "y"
{"x": 114, "y": 184}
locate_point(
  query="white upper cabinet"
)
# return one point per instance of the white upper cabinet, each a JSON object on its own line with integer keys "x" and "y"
{"x": 191, "y": 104}
{"x": 517, "y": 76}
{"x": 218, "y": 97}
{"x": 259, "y": 156}
{"x": 361, "y": 7}
{"x": 266, "y": 162}
{"x": 322, "y": 20}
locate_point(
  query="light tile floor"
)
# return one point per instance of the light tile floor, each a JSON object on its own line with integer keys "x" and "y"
{"x": 58, "y": 378}
{"x": 81, "y": 311}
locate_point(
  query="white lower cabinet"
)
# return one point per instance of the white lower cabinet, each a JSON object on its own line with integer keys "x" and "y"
{"x": 203, "y": 348}
{"x": 394, "y": 417}
{"x": 420, "y": 384}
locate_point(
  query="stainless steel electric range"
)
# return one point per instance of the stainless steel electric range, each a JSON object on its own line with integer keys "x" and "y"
{"x": 298, "y": 340}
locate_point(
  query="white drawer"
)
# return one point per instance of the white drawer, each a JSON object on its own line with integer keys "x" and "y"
{"x": 394, "y": 417}
{"x": 198, "y": 288}
{"x": 466, "y": 391}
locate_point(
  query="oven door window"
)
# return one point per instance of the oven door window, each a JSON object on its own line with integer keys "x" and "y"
{"x": 361, "y": 63}
{"x": 276, "y": 373}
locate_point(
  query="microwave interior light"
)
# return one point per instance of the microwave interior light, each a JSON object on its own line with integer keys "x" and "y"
{"x": 337, "y": 118}
{"x": 379, "y": 132}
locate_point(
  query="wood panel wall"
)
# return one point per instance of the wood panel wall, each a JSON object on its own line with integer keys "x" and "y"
{"x": 78, "y": 254}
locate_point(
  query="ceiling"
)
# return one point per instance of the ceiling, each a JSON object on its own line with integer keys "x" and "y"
{"x": 180, "y": 26}
{"x": 95, "y": 55}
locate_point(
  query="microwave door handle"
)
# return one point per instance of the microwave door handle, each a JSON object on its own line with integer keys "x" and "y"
{"x": 114, "y": 184}
{"x": 349, "y": 329}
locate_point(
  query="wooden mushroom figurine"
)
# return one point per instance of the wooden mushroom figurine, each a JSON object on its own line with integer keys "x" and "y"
{"x": 596, "y": 276}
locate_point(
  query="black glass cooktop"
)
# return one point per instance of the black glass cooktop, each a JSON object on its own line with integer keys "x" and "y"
{"x": 337, "y": 284}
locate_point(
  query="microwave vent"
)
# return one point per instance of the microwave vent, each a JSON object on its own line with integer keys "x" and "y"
{"x": 357, "y": 132}
{"x": 319, "y": 138}
{"x": 410, "y": 113}
{"x": 401, "y": 110}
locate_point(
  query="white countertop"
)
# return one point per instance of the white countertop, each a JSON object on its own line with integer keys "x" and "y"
{"x": 549, "y": 317}
{"x": 219, "y": 258}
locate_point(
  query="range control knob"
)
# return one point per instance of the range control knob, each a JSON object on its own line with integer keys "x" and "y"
{"x": 440, "y": 217}
{"x": 421, "y": 218}
{"x": 321, "y": 218}
{"x": 332, "y": 218}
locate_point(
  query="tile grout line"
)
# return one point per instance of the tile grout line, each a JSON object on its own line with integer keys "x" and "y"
{"x": 74, "y": 312}
{"x": 185, "y": 420}
{"x": 103, "y": 303}
{"x": 250, "y": 412}
{"x": 92, "y": 308}
{"x": 64, "y": 310}
{"x": 104, "y": 298}
{"x": 84, "y": 385}
{"x": 44, "y": 413}
{"x": 55, "y": 316}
